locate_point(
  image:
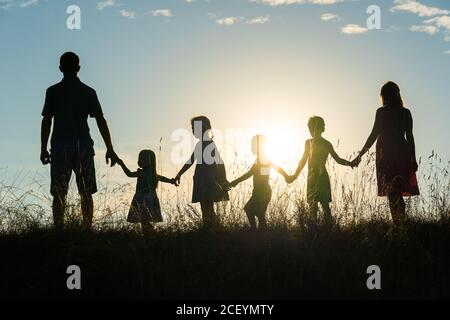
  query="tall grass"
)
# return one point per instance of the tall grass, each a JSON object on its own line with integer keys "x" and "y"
{"x": 354, "y": 200}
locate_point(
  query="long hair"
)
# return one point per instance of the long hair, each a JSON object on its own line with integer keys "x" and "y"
{"x": 147, "y": 161}
{"x": 390, "y": 95}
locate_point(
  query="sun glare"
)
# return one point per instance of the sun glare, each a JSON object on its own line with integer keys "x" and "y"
{"x": 284, "y": 146}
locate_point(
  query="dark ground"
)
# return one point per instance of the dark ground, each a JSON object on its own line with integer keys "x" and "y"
{"x": 230, "y": 264}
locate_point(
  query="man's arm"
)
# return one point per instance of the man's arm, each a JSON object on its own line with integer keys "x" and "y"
{"x": 46, "y": 127}
{"x": 106, "y": 135}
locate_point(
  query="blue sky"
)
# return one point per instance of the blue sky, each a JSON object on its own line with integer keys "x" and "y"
{"x": 248, "y": 65}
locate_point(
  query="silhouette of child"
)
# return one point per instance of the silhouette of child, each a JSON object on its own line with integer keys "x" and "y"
{"x": 316, "y": 153}
{"x": 145, "y": 208}
{"x": 256, "y": 206}
{"x": 210, "y": 179}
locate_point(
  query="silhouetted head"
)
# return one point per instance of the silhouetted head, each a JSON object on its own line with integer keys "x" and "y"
{"x": 200, "y": 125}
{"x": 147, "y": 158}
{"x": 147, "y": 162}
{"x": 259, "y": 147}
{"x": 316, "y": 126}
{"x": 69, "y": 63}
{"x": 390, "y": 95}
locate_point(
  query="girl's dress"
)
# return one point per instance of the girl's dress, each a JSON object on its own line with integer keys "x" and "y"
{"x": 394, "y": 161}
{"x": 145, "y": 205}
{"x": 262, "y": 192}
{"x": 318, "y": 186}
{"x": 210, "y": 177}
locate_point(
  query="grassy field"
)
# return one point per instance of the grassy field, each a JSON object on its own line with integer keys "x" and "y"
{"x": 285, "y": 263}
{"x": 294, "y": 259}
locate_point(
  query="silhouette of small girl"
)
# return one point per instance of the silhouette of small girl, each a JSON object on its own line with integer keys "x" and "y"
{"x": 256, "y": 206}
{"x": 316, "y": 153}
{"x": 210, "y": 179}
{"x": 145, "y": 208}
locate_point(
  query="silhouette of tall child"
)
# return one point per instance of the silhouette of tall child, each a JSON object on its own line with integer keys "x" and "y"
{"x": 210, "y": 180}
{"x": 256, "y": 206}
{"x": 145, "y": 208}
{"x": 316, "y": 153}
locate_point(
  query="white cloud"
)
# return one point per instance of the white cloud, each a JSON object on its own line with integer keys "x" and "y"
{"x": 439, "y": 22}
{"x": 353, "y": 29}
{"x": 418, "y": 8}
{"x": 127, "y": 14}
{"x": 285, "y": 2}
{"x": 329, "y": 17}
{"x": 447, "y": 52}
{"x": 431, "y": 30}
{"x": 29, "y": 3}
{"x": 162, "y": 13}
{"x": 259, "y": 20}
{"x": 104, "y": 4}
{"x": 229, "y": 21}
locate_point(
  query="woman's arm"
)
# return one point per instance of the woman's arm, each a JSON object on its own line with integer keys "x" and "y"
{"x": 128, "y": 172}
{"x": 410, "y": 139}
{"x": 373, "y": 135}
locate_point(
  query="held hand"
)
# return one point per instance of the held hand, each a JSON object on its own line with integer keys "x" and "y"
{"x": 111, "y": 156}
{"x": 174, "y": 182}
{"x": 45, "y": 157}
{"x": 177, "y": 180}
{"x": 289, "y": 179}
{"x": 355, "y": 162}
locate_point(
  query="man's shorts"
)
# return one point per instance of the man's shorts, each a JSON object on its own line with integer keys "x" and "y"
{"x": 75, "y": 157}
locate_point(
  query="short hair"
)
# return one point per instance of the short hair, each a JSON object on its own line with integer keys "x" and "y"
{"x": 69, "y": 62}
{"x": 206, "y": 123}
{"x": 259, "y": 144}
{"x": 316, "y": 123}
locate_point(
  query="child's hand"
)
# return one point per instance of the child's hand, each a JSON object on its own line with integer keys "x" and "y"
{"x": 289, "y": 179}
{"x": 174, "y": 182}
{"x": 355, "y": 162}
{"x": 229, "y": 185}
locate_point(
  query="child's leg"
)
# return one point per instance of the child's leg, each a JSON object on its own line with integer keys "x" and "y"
{"x": 147, "y": 228}
{"x": 262, "y": 222}
{"x": 208, "y": 214}
{"x": 251, "y": 219}
{"x": 327, "y": 217}
{"x": 313, "y": 208}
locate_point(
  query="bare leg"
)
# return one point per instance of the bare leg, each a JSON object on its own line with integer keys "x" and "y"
{"x": 262, "y": 222}
{"x": 397, "y": 206}
{"x": 59, "y": 207}
{"x": 396, "y": 202}
{"x": 208, "y": 214}
{"x": 147, "y": 228}
{"x": 313, "y": 209}
{"x": 87, "y": 209}
{"x": 251, "y": 219}
{"x": 327, "y": 217}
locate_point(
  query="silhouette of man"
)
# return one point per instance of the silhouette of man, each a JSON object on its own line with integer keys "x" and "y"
{"x": 68, "y": 105}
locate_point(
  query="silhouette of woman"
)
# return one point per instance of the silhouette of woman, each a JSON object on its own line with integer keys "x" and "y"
{"x": 396, "y": 163}
{"x": 210, "y": 181}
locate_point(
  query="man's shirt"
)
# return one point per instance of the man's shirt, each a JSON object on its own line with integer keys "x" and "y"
{"x": 70, "y": 103}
